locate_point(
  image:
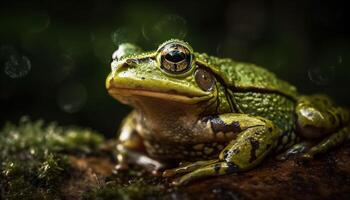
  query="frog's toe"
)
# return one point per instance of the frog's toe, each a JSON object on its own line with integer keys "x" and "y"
{"x": 180, "y": 181}
{"x": 157, "y": 172}
{"x": 186, "y": 168}
{"x": 296, "y": 150}
{"x": 120, "y": 167}
{"x": 214, "y": 169}
{"x": 170, "y": 172}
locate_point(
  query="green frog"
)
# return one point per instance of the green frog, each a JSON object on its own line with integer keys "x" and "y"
{"x": 216, "y": 116}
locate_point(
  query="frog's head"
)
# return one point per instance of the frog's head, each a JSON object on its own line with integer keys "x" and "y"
{"x": 169, "y": 74}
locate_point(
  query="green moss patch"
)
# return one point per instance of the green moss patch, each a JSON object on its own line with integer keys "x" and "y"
{"x": 33, "y": 157}
{"x": 48, "y": 161}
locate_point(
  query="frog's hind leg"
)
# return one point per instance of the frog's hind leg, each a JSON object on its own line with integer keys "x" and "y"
{"x": 330, "y": 141}
{"x": 318, "y": 117}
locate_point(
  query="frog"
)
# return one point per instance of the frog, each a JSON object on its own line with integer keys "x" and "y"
{"x": 214, "y": 116}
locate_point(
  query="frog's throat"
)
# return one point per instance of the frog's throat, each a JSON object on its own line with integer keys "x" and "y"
{"x": 177, "y": 97}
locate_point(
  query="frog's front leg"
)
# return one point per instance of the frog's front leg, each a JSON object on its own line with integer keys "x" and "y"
{"x": 130, "y": 148}
{"x": 256, "y": 137}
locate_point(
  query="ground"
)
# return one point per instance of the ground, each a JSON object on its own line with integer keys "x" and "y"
{"x": 39, "y": 161}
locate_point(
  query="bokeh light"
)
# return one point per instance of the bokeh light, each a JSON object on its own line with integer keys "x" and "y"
{"x": 72, "y": 97}
{"x": 17, "y": 66}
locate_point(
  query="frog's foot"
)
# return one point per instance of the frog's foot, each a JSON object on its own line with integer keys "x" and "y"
{"x": 122, "y": 164}
{"x": 213, "y": 169}
{"x": 295, "y": 150}
{"x": 328, "y": 142}
{"x": 126, "y": 156}
{"x": 187, "y": 167}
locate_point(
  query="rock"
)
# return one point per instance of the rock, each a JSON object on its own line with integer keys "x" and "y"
{"x": 78, "y": 164}
{"x": 326, "y": 177}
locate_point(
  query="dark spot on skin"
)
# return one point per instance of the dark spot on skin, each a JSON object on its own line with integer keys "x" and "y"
{"x": 236, "y": 127}
{"x": 225, "y": 154}
{"x": 143, "y": 78}
{"x": 332, "y": 118}
{"x": 236, "y": 151}
{"x": 231, "y": 168}
{"x": 255, "y": 145}
{"x": 217, "y": 168}
{"x": 208, "y": 118}
{"x": 230, "y": 153}
{"x": 218, "y": 125}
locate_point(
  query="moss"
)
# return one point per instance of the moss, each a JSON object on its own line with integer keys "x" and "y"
{"x": 52, "y": 171}
{"x": 132, "y": 189}
{"x": 33, "y": 157}
{"x": 136, "y": 183}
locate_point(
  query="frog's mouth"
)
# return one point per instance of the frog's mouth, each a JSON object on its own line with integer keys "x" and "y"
{"x": 171, "y": 95}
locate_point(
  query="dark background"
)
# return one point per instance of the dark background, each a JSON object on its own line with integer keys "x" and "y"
{"x": 55, "y": 55}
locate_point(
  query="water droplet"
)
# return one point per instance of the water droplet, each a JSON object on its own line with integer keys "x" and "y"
{"x": 17, "y": 66}
{"x": 321, "y": 75}
{"x": 123, "y": 35}
{"x": 169, "y": 26}
{"x": 72, "y": 97}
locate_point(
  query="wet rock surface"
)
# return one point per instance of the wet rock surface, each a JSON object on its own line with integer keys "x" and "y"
{"x": 326, "y": 177}
{"x": 51, "y": 162}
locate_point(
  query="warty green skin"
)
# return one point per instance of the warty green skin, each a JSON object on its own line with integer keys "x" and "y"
{"x": 247, "y": 114}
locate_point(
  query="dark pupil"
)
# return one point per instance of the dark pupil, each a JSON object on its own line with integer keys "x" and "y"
{"x": 175, "y": 56}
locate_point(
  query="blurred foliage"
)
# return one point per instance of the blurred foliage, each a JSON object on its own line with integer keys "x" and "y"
{"x": 55, "y": 55}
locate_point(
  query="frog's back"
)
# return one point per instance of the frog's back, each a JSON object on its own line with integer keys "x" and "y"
{"x": 247, "y": 77}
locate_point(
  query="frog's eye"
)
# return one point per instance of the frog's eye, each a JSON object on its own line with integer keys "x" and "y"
{"x": 204, "y": 79}
{"x": 175, "y": 58}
